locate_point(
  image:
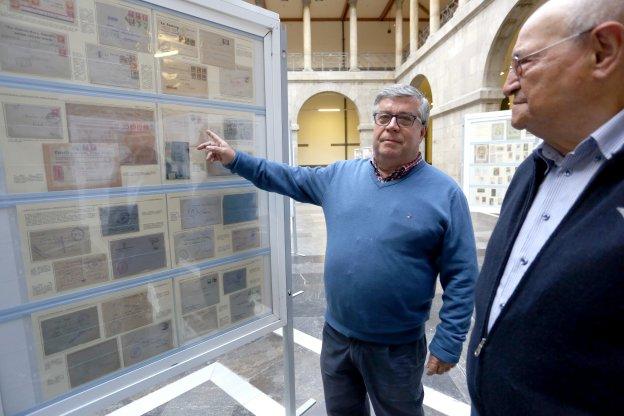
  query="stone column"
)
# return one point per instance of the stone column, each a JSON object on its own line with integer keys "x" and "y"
{"x": 434, "y": 16}
{"x": 366, "y": 134}
{"x": 413, "y": 24}
{"x": 398, "y": 33}
{"x": 307, "y": 37}
{"x": 294, "y": 133}
{"x": 353, "y": 41}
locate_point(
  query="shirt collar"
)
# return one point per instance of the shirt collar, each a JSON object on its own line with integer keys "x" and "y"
{"x": 399, "y": 172}
{"x": 609, "y": 138}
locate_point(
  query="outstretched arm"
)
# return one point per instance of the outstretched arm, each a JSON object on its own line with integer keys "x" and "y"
{"x": 300, "y": 183}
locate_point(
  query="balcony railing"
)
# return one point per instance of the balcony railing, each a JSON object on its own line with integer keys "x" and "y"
{"x": 339, "y": 61}
{"x": 448, "y": 12}
{"x": 423, "y": 34}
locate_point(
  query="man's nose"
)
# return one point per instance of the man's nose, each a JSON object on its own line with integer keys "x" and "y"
{"x": 393, "y": 124}
{"x": 512, "y": 83}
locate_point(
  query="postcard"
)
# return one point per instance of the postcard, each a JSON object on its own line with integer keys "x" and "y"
{"x": 245, "y": 239}
{"x": 175, "y": 35}
{"x": 183, "y": 78}
{"x": 63, "y": 10}
{"x": 199, "y": 323}
{"x": 199, "y": 293}
{"x": 109, "y": 66}
{"x": 56, "y": 243}
{"x": 234, "y": 280}
{"x": 33, "y": 121}
{"x": 93, "y": 362}
{"x": 242, "y": 304}
{"x": 34, "y": 51}
{"x": 146, "y": 342}
{"x": 81, "y": 166}
{"x": 123, "y": 27}
{"x": 71, "y": 329}
{"x": 240, "y": 208}
{"x": 126, "y": 313}
{"x": 79, "y": 272}
{"x": 194, "y": 245}
{"x": 217, "y": 50}
{"x": 200, "y": 211}
{"x": 136, "y": 255}
{"x": 119, "y": 219}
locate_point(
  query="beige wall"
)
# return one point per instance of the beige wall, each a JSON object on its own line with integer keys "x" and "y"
{"x": 319, "y": 130}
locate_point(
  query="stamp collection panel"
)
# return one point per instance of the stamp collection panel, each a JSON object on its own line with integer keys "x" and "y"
{"x": 135, "y": 244}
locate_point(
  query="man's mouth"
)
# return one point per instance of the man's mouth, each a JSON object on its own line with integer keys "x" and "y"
{"x": 390, "y": 140}
{"x": 519, "y": 100}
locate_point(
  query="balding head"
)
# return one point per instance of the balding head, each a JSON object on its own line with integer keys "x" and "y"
{"x": 570, "y": 57}
{"x": 578, "y": 15}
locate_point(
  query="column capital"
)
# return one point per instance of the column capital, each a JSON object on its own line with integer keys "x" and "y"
{"x": 305, "y": 2}
{"x": 353, "y": 3}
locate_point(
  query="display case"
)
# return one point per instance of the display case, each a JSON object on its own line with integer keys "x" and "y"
{"x": 492, "y": 151}
{"x": 127, "y": 258}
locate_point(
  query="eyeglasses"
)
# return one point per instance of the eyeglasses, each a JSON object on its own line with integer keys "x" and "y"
{"x": 403, "y": 119}
{"x": 516, "y": 61}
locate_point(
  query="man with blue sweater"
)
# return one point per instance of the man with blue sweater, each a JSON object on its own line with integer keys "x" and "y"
{"x": 549, "y": 300}
{"x": 394, "y": 223}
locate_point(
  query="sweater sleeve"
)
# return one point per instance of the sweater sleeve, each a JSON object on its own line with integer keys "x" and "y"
{"x": 458, "y": 272}
{"x": 300, "y": 183}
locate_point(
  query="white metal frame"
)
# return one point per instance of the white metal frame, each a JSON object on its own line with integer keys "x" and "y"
{"x": 242, "y": 17}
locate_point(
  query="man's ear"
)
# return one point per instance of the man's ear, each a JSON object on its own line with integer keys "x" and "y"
{"x": 608, "y": 48}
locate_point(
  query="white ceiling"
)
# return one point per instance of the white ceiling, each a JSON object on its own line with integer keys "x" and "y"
{"x": 329, "y": 10}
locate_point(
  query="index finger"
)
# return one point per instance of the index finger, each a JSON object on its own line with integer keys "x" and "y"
{"x": 215, "y": 137}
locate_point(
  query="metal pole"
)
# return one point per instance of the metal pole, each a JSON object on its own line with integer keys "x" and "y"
{"x": 289, "y": 345}
{"x": 287, "y": 331}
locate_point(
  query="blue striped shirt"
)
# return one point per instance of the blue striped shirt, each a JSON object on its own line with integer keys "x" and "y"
{"x": 565, "y": 180}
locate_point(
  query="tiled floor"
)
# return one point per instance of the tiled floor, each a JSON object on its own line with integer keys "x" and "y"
{"x": 261, "y": 362}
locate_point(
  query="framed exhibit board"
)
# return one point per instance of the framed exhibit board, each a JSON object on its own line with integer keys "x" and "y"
{"x": 127, "y": 258}
{"x": 492, "y": 151}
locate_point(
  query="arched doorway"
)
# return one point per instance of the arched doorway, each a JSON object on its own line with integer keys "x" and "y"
{"x": 328, "y": 129}
{"x": 423, "y": 85}
{"x": 499, "y": 56}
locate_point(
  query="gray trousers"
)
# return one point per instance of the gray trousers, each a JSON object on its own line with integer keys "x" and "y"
{"x": 390, "y": 375}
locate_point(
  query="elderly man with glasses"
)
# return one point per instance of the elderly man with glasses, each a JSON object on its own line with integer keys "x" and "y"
{"x": 550, "y": 297}
{"x": 394, "y": 223}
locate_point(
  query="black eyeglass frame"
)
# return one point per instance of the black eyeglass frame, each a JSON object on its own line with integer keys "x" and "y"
{"x": 402, "y": 116}
{"x": 516, "y": 61}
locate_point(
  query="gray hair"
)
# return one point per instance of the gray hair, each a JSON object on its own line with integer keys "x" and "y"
{"x": 404, "y": 90}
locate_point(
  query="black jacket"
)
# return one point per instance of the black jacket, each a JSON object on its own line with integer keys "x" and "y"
{"x": 556, "y": 348}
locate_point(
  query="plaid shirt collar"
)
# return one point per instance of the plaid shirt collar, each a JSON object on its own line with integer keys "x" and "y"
{"x": 399, "y": 172}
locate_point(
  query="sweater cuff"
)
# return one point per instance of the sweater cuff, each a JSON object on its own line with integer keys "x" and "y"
{"x": 232, "y": 164}
{"x": 443, "y": 354}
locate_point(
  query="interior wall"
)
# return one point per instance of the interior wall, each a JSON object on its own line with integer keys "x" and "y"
{"x": 319, "y": 130}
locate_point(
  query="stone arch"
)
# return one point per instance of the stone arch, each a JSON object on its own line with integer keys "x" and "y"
{"x": 421, "y": 82}
{"x": 327, "y": 129}
{"x": 499, "y": 55}
{"x": 297, "y": 100}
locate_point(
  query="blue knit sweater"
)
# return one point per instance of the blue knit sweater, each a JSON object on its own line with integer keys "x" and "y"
{"x": 386, "y": 243}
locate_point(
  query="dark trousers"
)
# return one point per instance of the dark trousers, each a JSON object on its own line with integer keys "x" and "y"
{"x": 390, "y": 374}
